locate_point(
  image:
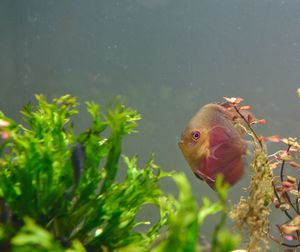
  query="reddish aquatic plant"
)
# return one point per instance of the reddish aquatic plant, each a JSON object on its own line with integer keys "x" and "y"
{"x": 286, "y": 188}
{"x": 251, "y": 213}
{"x": 287, "y": 193}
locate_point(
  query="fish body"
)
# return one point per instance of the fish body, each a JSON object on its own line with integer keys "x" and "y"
{"x": 78, "y": 161}
{"x": 212, "y": 144}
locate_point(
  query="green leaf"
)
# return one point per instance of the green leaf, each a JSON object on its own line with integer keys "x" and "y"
{"x": 34, "y": 238}
{"x": 55, "y": 197}
{"x": 182, "y": 234}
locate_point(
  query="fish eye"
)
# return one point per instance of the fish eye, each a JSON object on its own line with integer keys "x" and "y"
{"x": 196, "y": 134}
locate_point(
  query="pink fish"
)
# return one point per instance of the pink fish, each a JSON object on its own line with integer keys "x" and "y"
{"x": 212, "y": 144}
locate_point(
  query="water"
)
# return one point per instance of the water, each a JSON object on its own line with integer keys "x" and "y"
{"x": 164, "y": 57}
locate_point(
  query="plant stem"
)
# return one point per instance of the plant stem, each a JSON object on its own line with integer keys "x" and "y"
{"x": 282, "y": 178}
{"x": 278, "y": 198}
{"x": 283, "y": 163}
{"x": 249, "y": 126}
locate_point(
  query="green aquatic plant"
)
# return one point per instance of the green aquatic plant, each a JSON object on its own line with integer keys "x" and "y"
{"x": 186, "y": 220}
{"x": 58, "y": 189}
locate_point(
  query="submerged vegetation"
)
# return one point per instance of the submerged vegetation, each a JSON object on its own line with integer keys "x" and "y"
{"x": 58, "y": 189}
{"x": 251, "y": 214}
{"x": 59, "y": 192}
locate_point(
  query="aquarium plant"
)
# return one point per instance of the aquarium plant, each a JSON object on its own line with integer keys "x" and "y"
{"x": 268, "y": 186}
{"x": 59, "y": 192}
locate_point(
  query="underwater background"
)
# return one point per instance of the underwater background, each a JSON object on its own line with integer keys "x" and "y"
{"x": 166, "y": 58}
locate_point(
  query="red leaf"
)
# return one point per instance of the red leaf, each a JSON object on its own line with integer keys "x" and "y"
{"x": 287, "y": 184}
{"x": 261, "y": 121}
{"x": 290, "y": 237}
{"x": 247, "y": 107}
{"x": 294, "y": 164}
{"x": 249, "y": 119}
{"x": 274, "y": 138}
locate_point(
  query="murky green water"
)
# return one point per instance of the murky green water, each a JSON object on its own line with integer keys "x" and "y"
{"x": 164, "y": 57}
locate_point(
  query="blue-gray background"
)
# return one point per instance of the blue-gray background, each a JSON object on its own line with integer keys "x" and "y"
{"x": 166, "y": 58}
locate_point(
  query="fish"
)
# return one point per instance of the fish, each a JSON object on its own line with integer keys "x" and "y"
{"x": 212, "y": 143}
{"x": 78, "y": 161}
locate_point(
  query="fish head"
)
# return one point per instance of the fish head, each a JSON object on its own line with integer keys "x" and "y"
{"x": 194, "y": 145}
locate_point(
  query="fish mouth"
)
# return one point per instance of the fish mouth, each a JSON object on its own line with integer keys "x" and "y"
{"x": 180, "y": 142}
